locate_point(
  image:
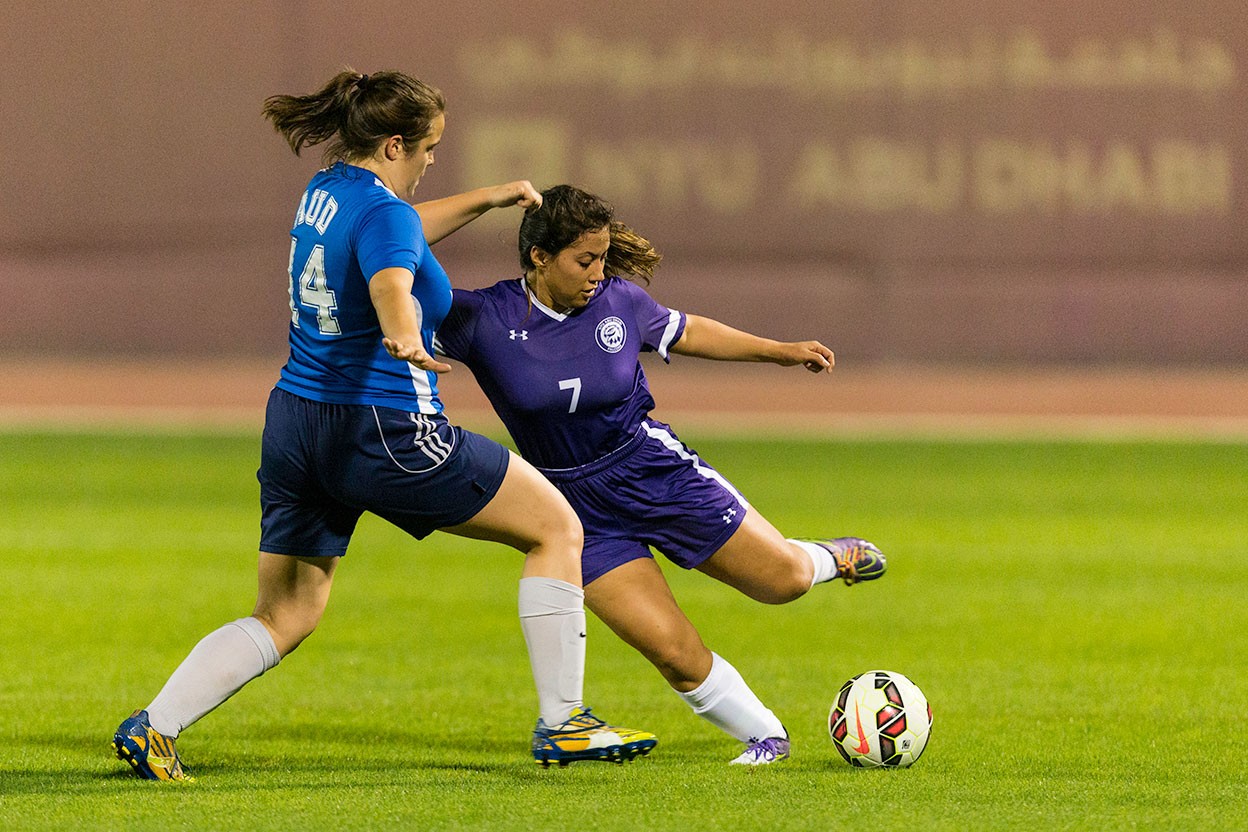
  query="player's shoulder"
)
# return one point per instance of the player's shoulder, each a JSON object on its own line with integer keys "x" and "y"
{"x": 367, "y": 194}
{"x": 501, "y": 296}
{"x": 622, "y": 293}
{"x": 503, "y": 293}
{"x": 623, "y": 287}
{"x": 359, "y": 182}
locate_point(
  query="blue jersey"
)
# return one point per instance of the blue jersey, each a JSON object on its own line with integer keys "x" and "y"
{"x": 568, "y": 386}
{"x": 349, "y": 227}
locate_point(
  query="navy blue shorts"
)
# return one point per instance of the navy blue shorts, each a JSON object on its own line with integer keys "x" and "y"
{"x": 323, "y": 465}
{"x": 654, "y": 491}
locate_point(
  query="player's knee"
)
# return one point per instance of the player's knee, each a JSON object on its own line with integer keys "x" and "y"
{"x": 796, "y": 584}
{"x": 794, "y": 578}
{"x": 289, "y": 627}
{"x": 785, "y": 585}
{"x": 555, "y": 549}
{"x": 563, "y": 529}
{"x": 681, "y": 659}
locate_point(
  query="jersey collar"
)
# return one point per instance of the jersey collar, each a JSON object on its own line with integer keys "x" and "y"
{"x": 543, "y": 308}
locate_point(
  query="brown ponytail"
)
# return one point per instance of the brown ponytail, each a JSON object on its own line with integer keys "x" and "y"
{"x": 355, "y": 113}
{"x": 631, "y": 255}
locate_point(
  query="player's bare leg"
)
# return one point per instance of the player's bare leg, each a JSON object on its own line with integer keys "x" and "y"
{"x": 635, "y": 601}
{"x": 529, "y": 514}
{"x": 761, "y": 563}
{"x": 292, "y": 596}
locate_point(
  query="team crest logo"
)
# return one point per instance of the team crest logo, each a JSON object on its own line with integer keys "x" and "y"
{"x": 611, "y": 334}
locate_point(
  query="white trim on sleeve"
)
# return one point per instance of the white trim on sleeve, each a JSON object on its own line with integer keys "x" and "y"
{"x": 673, "y": 322}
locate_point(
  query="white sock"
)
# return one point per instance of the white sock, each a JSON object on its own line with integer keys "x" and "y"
{"x": 825, "y": 564}
{"x": 217, "y": 667}
{"x": 726, "y": 701}
{"x": 552, "y": 616}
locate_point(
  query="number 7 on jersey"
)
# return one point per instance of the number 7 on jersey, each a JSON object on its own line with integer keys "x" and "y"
{"x": 573, "y": 384}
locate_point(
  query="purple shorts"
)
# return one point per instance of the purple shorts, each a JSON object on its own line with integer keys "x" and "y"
{"x": 323, "y": 465}
{"x": 653, "y": 491}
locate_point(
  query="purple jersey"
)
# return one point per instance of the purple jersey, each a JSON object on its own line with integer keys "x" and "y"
{"x": 568, "y": 386}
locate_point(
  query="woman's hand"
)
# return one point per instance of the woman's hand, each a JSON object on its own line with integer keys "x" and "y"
{"x": 443, "y": 217}
{"x": 415, "y": 355}
{"x": 815, "y": 356}
{"x": 520, "y": 193}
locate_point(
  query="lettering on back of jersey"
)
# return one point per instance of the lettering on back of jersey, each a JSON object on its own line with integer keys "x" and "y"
{"x": 317, "y": 211}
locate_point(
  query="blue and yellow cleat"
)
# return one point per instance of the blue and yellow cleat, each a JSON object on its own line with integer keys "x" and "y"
{"x": 150, "y": 753}
{"x": 586, "y": 737}
{"x": 856, "y": 559}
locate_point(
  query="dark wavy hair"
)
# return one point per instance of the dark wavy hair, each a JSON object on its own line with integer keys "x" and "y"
{"x": 355, "y": 113}
{"x": 566, "y": 213}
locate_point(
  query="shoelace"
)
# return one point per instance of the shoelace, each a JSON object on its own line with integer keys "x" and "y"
{"x": 582, "y": 720}
{"x": 847, "y": 564}
{"x": 769, "y": 747}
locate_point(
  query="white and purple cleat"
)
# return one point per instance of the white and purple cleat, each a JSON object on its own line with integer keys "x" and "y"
{"x": 763, "y": 752}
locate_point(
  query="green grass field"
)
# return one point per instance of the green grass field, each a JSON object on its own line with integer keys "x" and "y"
{"x": 1076, "y": 613}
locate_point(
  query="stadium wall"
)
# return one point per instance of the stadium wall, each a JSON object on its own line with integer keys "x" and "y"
{"x": 960, "y": 182}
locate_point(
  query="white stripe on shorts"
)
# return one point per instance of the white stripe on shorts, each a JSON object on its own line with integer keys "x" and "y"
{"x": 430, "y": 444}
{"x": 436, "y": 448}
{"x": 423, "y": 442}
{"x": 673, "y": 444}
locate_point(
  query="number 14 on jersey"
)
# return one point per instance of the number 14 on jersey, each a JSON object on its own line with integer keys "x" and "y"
{"x": 311, "y": 289}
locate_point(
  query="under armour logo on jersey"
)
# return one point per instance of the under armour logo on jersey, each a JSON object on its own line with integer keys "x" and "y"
{"x": 732, "y": 512}
{"x": 523, "y": 334}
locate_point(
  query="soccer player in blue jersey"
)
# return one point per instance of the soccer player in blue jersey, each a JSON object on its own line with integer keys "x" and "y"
{"x": 355, "y": 424}
{"x": 556, "y": 351}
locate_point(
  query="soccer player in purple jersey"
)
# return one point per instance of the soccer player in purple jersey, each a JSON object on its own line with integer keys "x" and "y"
{"x": 556, "y": 352}
{"x": 355, "y": 424}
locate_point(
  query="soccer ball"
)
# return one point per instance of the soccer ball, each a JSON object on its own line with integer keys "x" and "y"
{"x": 880, "y": 718}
